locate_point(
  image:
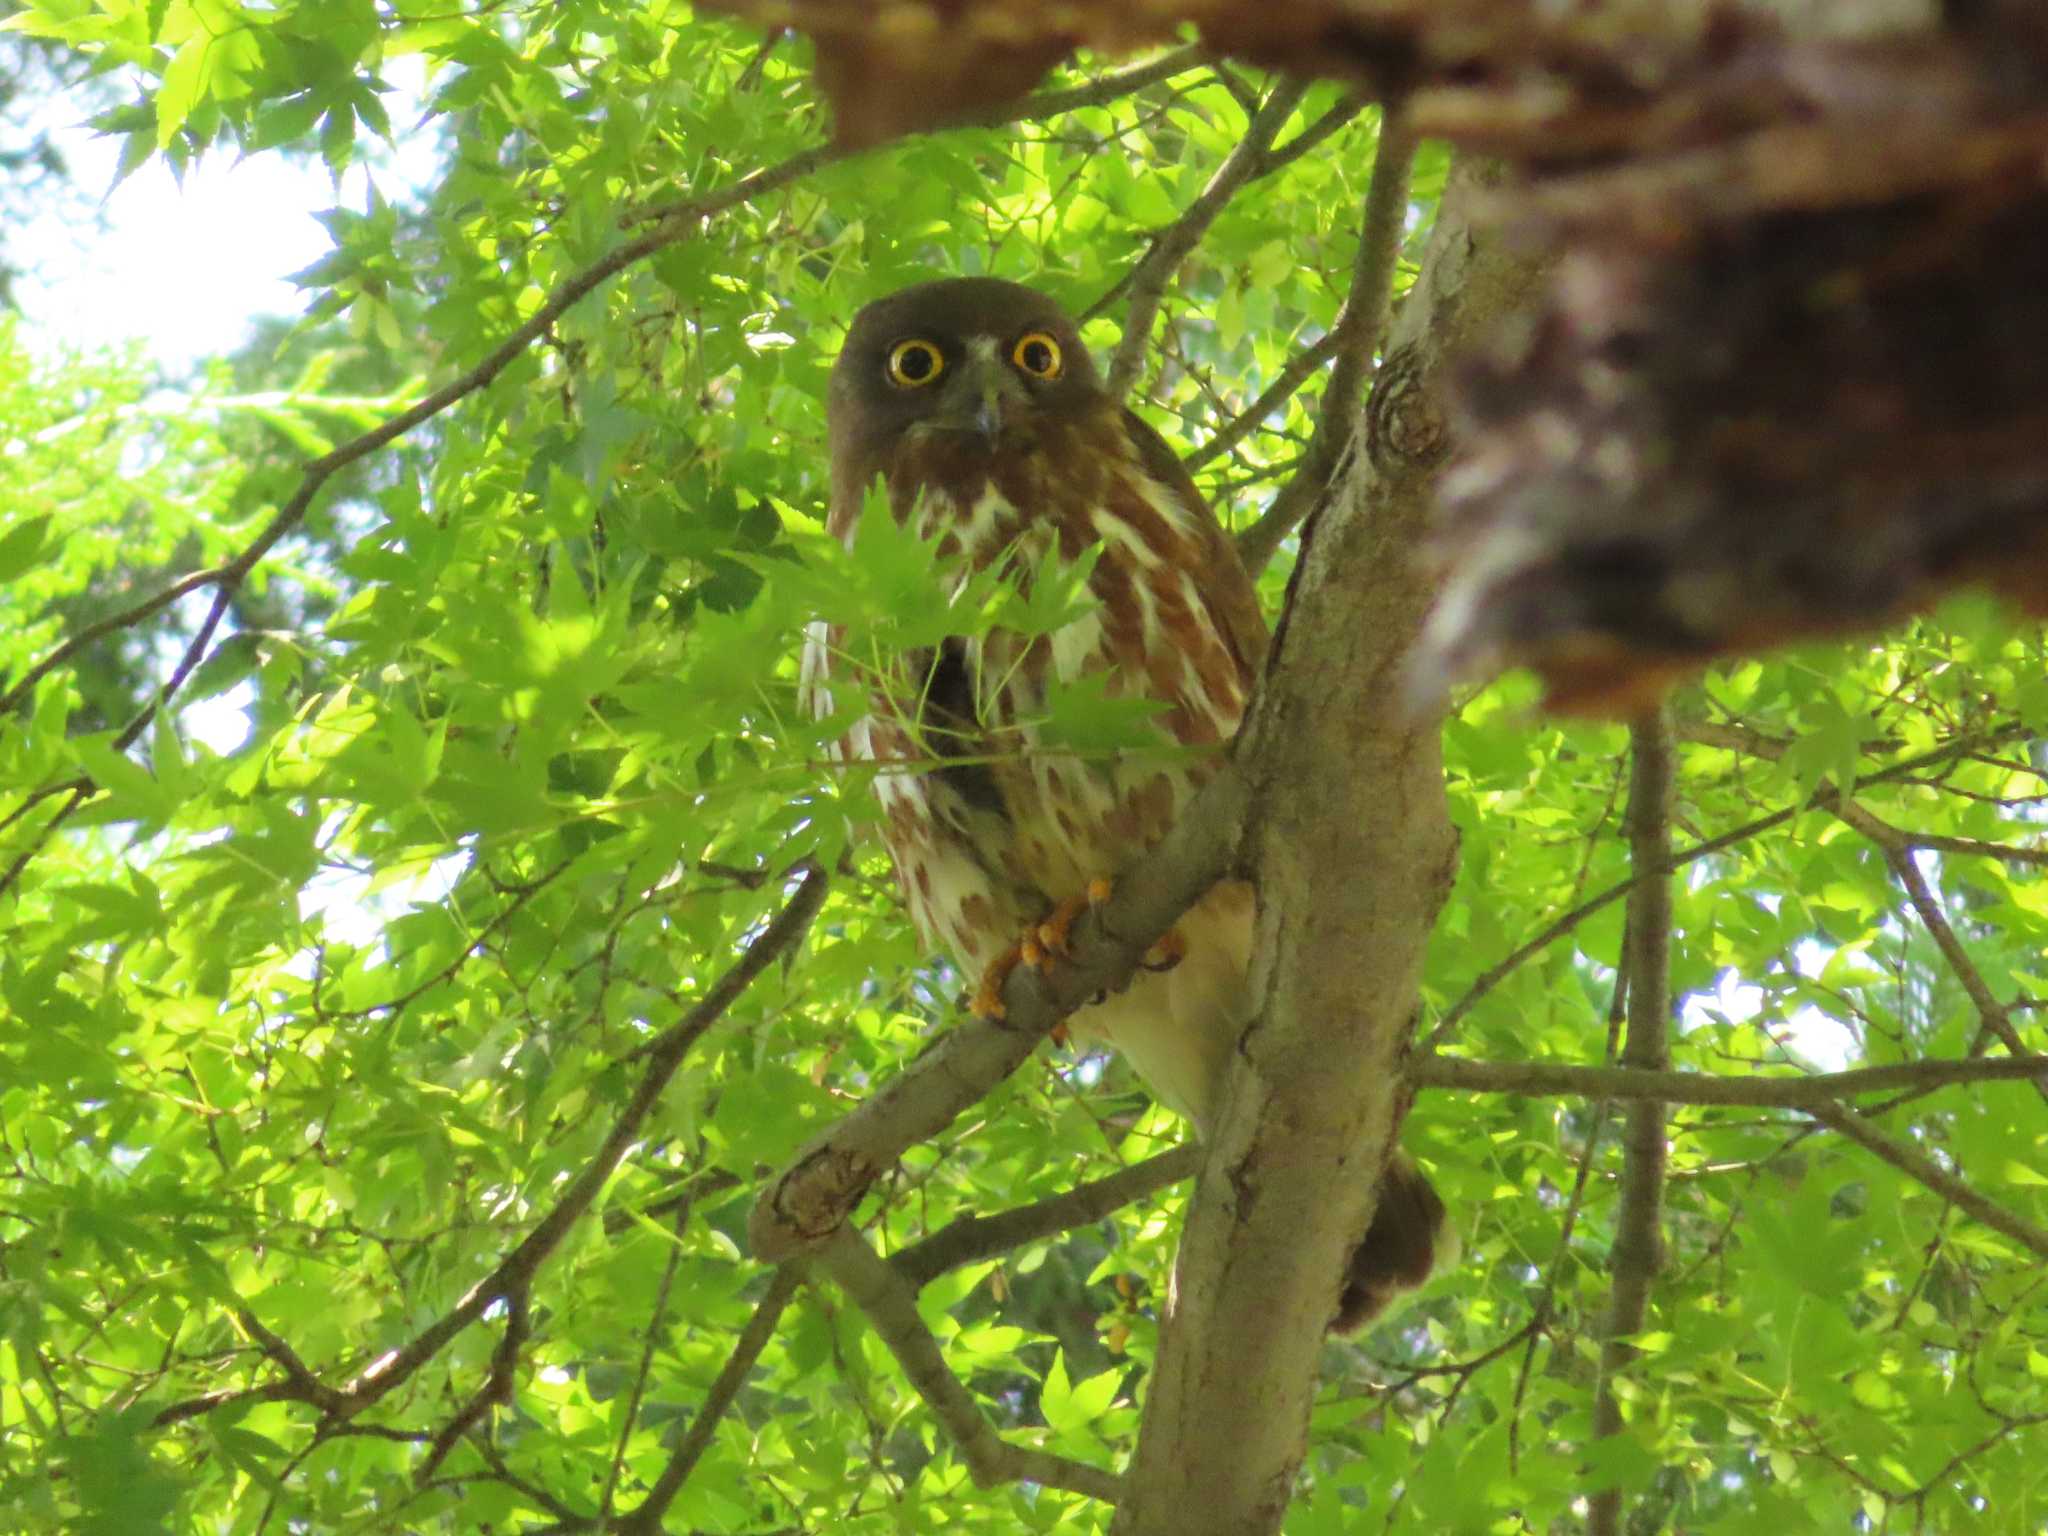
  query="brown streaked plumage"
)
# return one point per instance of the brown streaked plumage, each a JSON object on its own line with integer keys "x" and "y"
{"x": 975, "y": 404}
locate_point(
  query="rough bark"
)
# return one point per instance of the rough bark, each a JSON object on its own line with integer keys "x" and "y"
{"x": 1352, "y": 851}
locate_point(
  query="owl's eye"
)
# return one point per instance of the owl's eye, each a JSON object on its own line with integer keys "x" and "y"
{"x": 913, "y": 364}
{"x": 1037, "y": 354}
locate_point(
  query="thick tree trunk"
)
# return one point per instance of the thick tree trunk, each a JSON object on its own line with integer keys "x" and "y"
{"x": 1352, "y": 851}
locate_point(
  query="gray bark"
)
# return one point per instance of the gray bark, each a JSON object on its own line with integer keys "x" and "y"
{"x": 1349, "y": 843}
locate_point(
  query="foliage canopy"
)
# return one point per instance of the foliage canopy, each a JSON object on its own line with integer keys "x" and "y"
{"x": 306, "y": 1033}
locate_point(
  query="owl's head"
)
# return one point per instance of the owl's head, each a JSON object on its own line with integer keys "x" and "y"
{"x": 982, "y": 363}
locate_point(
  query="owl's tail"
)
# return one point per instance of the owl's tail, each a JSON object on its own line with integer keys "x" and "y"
{"x": 1410, "y": 1239}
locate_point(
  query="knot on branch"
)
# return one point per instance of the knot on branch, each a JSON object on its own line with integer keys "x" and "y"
{"x": 807, "y": 1204}
{"x": 1404, "y": 425}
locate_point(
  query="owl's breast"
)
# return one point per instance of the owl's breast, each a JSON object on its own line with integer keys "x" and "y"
{"x": 1077, "y": 810}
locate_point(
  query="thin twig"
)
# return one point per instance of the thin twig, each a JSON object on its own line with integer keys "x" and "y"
{"x": 1822, "y": 798}
{"x": 1546, "y": 1297}
{"x": 400, "y": 1002}
{"x": 645, "y": 1517}
{"x": 112, "y": 624}
{"x": 1892, "y": 843}
{"x": 513, "y": 1274}
{"x": 1358, "y": 333}
{"x": 1917, "y": 1165}
{"x": 1288, "y": 380}
{"x": 630, "y": 1419}
{"x": 498, "y": 1387}
{"x": 1543, "y": 1077}
{"x": 1146, "y": 282}
{"x": 890, "y": 1304}
{"x": 2009, "y": 853}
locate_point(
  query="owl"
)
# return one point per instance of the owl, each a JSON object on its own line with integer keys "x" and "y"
{"x": 974, "y": 404}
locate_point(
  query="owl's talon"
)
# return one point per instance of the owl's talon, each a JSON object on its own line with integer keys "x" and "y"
{"x": 987, "y": 1002}
{"x": 1171, "y": 949}
{"x": 1058, "y": 927}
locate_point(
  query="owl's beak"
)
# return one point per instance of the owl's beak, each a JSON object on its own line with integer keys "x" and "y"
{"x": 978, "y": 399}
{"x": 988, "y": 417}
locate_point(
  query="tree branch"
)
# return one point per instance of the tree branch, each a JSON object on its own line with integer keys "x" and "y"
{"x": 973, "y": 1238}
{"x": 1340, "y": 783}
{"x": 1918, "y": 1166}
{"x": 498, "y": 1387}
{"x": 1288, "y": 380}
{"x": 1892, "y": 843}
{"x": 299, "y": 1380}
{"x": 1356, "y": 336}
{"x": 890, "y": 1303}
{"x": 513, "y": 1274}
{"x": 650, "y": 1341}
{"x": 1803, "y": 1093}
{"x": 821, "y": 1186}
{"x": 1638, "y": 1253}
{"x": 2010, "y": 853}
{"x": 645, "y": 1518}
{"x": 1545, "y": 1305}
{"x": 1822, "y": 798}
{"x": 1146, "y": 282}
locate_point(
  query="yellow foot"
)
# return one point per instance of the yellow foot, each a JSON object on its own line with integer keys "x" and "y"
{"x": 1041, "y": 944}
{"x": 1058, "y": 927}
{"x": 1167, "y": 953}
{"x": 987, "y": 1002}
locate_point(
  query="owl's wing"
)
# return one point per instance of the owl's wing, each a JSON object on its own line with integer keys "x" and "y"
{"x": 1226, "y": 586}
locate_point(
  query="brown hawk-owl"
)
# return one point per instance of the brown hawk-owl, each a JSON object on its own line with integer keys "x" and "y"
{"x": 974, "y": 402}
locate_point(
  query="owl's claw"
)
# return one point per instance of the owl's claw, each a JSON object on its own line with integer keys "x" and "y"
{"x": 1041, "y": 944}
{"x": 987, "y": 1002}
{"x": 1171, "y": 949}
{"x": 1052, "y": 934}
